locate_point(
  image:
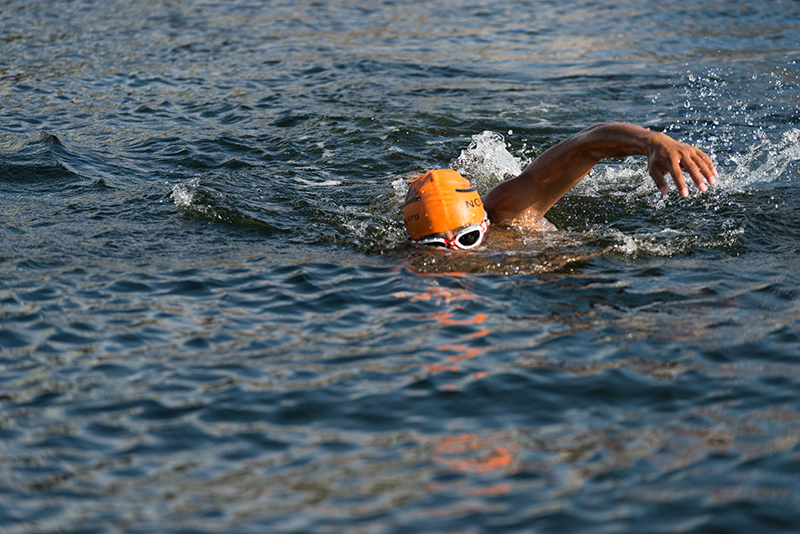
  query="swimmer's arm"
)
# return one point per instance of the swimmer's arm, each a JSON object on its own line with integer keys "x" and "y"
{"x": 560, "y": 168}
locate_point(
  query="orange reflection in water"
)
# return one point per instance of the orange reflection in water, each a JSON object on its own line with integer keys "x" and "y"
{"x": 437, "y": 296}
{"x": 471, "y": 453}
{"x": 463, "y": 352}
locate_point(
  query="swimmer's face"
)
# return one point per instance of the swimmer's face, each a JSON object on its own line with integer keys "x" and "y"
{"x": 465, "y": 237}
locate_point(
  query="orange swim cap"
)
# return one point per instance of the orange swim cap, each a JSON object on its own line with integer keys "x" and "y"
{"x": 439, "y": 201}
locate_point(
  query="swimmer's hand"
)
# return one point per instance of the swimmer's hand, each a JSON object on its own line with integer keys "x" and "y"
{"x": 666, "y": 155}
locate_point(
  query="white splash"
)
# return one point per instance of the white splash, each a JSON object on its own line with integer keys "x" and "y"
{"x": 487, "y": 161}
{"x": 183, "y": 193}
{"x": 766, "y": 161}
{"x": 658, "y": 244}
{"x": 323, "y": 183}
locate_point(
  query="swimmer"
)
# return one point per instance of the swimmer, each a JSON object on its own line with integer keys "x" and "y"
{"x": 443, "y": 209}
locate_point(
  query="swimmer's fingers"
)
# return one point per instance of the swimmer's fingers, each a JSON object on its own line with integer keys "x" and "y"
{"x": 699, "y": 166}
{"x": 657, "y": 174}
{"x": 674, "y": 157}
{"x": 676, "y": 165}
{"x": 662, "y": 164}
{"x": 706, "y": 168}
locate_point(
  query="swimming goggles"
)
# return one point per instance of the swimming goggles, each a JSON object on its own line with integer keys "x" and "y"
{"x": 466, "y": 238}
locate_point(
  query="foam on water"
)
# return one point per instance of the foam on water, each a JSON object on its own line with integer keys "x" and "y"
{"x": 183, "y": 194}
{"x": 766, "y": 162}
{"x": 487, "y": 161}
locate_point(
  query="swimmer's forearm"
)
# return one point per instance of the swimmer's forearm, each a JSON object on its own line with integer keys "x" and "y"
{"x": 612, "y": 140}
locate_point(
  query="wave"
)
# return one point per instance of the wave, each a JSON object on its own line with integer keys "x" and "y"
{"x": 32, "y": 160}
{"x": 47, "y": 160}
{"x": 205, "y": 201}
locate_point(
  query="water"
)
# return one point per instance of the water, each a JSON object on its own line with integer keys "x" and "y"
{"x": 210, "y": 320}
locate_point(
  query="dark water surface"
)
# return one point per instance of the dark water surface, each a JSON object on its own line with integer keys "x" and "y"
{"x": 210, "y": 320}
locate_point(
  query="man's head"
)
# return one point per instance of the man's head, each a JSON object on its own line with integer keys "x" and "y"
{"x": 442, "y": 208}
